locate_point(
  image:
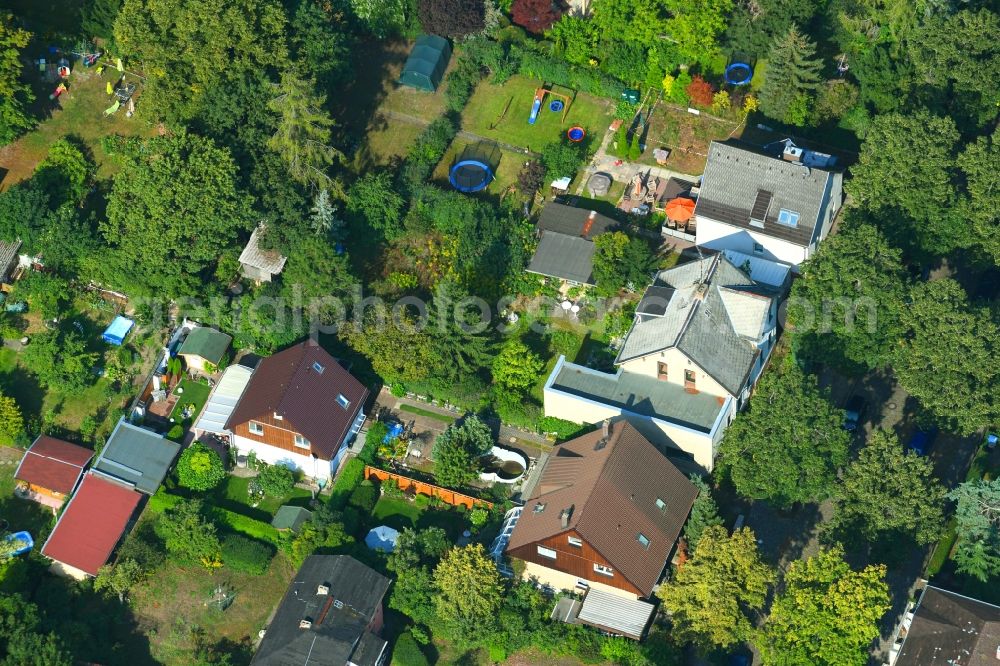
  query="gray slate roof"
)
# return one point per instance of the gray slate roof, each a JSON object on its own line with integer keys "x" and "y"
{"x": 734, "y": 175}
{"x": 949, "y": 629}
{"x": 268, "y": 261}
{"x": 137, "y": 457}
{"x": 565, "y": 246}
{"x": 339, "y": 619}
{"x": 716, "y": 325}
{"x": 641, "y": 395}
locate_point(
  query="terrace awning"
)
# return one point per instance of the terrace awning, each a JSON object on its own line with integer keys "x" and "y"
{"x": 615, "y": 614}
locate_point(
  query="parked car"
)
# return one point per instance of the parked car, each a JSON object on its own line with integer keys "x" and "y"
{"x": 922, "y": 441}
{"x": 854, "y": 412}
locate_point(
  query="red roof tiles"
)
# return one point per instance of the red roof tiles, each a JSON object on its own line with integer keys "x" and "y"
{"x": 302, "y": 384}
{"x": 53, "y": 464}
{"x": 92, "y": 524}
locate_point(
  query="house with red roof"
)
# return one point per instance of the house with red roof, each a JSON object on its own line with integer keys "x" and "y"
{"x": 300, "y": 408}
{"x": 50, "y": 470}
{"x": 88, "y": 531}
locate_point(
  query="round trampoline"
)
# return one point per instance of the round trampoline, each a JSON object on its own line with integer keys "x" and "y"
{"x": 739, "y": 74}
{"x": 576, "y": 134}
{"x": 556, "y": 105}
{"x": 470, "y": 175}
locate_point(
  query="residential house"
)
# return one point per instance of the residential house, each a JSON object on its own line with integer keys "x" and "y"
{"x": 331, "y": 615}
{"x": 699, "y": 341}
{"x": 204, "y": 349}
{"x": 566, "y": 248}
{"x": 50, "y": 470}
{"x": 132, "y": 465}
{"x": 258, "y": 264}
{"x": 947, "y": 629}
{"x": 300, "y": 408}
{"x": 604, "y": 518}
{"x": 775, "y": 207}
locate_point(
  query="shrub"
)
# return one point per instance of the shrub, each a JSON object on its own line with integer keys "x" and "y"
{"x": 199, "y": 467}
{"x": 364, "y": 497}
{"x": 240, "y": 553}
{"x": 392, "y": 490}
{"x": 462, "y": 82}
{"x": 700, "y": 92}
{"x": 350, "y": 476}
{"x": 421, "y": 501}
{"x": 237, "y": 522}
{"x": 276, "y": 480}
{"x": 721, "y": 102}
{"x": 176, "y": 433}
{"x": 677, "y": 92}
{"x": 373, "y": 440}
{"x": 562, "y": 428}
{"x": 478, "y": 517}
{"x": 406, "y": 652}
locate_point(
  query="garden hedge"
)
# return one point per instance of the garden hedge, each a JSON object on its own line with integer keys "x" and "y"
{"x": 251, "y": 556}
{"x": 406, "y": 652}
{"x": 237, "y": 522}
{"x": 350, "y": 476}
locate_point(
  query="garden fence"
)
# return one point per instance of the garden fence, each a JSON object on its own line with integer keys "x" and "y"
{"x": 406, "y": 484}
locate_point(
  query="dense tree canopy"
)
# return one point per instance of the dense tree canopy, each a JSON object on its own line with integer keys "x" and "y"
{"x": 452, "y": 18}
{"x": 713, "y": 597}
{"x": 977, "y": 516}
{"x": 469, "y": 593}
{"x": 825, "y": 614}
{"x": 458, "y": 449}
{"x": 15, "y": 95}
{"x": 789, "y": 444}
{"x": 792, "y": 78}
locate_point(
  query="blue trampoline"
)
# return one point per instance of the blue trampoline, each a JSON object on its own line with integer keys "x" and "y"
{"x": 117, "y": 330}
{"x": 470, "y": 176}
{"x": 739, "y": 73}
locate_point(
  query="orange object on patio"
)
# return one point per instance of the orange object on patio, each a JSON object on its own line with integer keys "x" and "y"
{"x": 679, "y": 209}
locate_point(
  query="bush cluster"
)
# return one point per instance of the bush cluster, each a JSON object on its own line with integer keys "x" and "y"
{"x": 250, "y": 556}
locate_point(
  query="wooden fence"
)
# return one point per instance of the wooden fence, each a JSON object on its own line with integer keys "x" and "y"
{"x": 407, "y": 484}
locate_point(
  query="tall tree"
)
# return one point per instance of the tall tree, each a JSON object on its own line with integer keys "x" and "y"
{"x": 977, "y": 516}
{"x": 886, "y": 493}
{"x": 173, "y": 205}
{"x": 516, "y": 367}
{"x": 304, "y": 132}
{"x": 22, "y": 642}
{"x": 452, "y": 18}
{"x": 375, "y": 199}
{"x": 914, "y": 196}
{"x": 470, "y": 593}
{"x": 845, "y": 310}
{"x": 981, "y": 201}
{"x": 704, "y": 514}
{"x": 60, "y": 360}
{"x": 621, "y": 262}
{"x": 46, "y": 293}
{"x": 458, "y": 449}
{"x": 11, "y": 421}
{"x": 534, "y": 15}
{"x": 788, "y": 446}
{"x": 64, "y": 173}
{"x": 194, "y": 53}
{"x": 98, "y": 17}
{"x": 713, "y": 597}
{"x": 119, "y": 577}
{"x": 695, "y": 27}
{"x": 15, "y": 96}
{"x": 956, "y": 381}
{"x": 791, "y": 79}
{"x": 188, "y": 535}
{"x": 380, "y": 340}
{"x": 324, "y": 220}
{"x": 322, "y": 38}
{"x": 382, "y": 17}
{"x": 825, "y": 614}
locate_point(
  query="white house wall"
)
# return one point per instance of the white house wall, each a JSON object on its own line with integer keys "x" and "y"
{"x": 716, "y": 235}
{"x": 312, "y": 467}
{"x": 677, "y": 362}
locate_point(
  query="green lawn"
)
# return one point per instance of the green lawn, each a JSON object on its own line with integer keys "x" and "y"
{"x": 194, "y": 392}
{"x": 483, "y": 114}
{"x": 402, "y": 514}
{"x": 234, "y": 490}
{"x": 444, "y": 418}
{"x": 506, "y": 172}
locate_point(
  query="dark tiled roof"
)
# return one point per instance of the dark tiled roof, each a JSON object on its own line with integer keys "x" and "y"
{"x": 565, "y": 245}
{"x": 949, "y": 629}
{"x": 612, "y": 492}
{"x": 92, "y": 524}
{"x": 53, "y": 464}
{"x": 301, "y": 384}
{"x": 339, "y": 619}
{"x": 734, "y": 177}
{"x": 573, "y": 221}
{"x": 137, "y": 456}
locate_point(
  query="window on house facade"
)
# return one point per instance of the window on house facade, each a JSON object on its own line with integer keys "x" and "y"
{"x": 603, "y": 570}
{"x": 256, "y": 428}
{"x": 689, "y": 379}
{"x": 301, "y": 442}
{"x": 758, "y": 248}
{"x": 575, "y": 541}
{"x": 277, "y": 416}
{"x": 661, "y": 370}
{"x": 547, "y": 552}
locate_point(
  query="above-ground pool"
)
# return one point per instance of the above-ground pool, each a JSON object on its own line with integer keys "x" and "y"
{"x": 503, "y": 466}
{"x": 576, "y": 134}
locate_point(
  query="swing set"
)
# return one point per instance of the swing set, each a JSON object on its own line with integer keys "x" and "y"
{"x": 561, "y": 104}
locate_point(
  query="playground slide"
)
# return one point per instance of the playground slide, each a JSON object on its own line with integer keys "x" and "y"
{"x": 534, "y": 110}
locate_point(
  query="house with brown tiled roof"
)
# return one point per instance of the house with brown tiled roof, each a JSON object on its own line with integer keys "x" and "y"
{"x": 50, "y": 470}
{"x": 300, "y": 408}
{"x": 605, "y": 515}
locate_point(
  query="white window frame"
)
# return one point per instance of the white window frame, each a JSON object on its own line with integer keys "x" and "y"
{"x": 788, "y": 218}
{"x": 640, "y": 537}
{"x": 603, "y": 570}
{"x": 758, "y": 248}
{"x": 343, "y": 401}
{"x": 575, "y": 541}
{"x": 256, "y": 428}
{"x": 547, "y": 552}
{"x": 301, "y": 442}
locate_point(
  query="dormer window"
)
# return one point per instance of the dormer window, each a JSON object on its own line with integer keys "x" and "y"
{"x": 343, "y": 401}
{"x": 539, "y": 507}
{"x": 277, "y": 416}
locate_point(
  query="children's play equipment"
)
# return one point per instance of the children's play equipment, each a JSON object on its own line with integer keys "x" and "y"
{"x": 576, "y": 134}
{"x": 474, "y": 168}
{"x": 60, "y": 89}
{"x": 425, "y": 66}
{"x": 738, "y": 73}
{"x": 117, "y": 330}
{"x": 561, "y": 104}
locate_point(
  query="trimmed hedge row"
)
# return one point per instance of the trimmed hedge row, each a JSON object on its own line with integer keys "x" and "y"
{"x": 350, "y": 476}
{"x": 251, "y": 556}
{"x": 406, "y": 652}
{"x": 237, "y": 522}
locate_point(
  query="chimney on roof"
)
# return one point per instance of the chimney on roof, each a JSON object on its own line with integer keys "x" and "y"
{"x": 589, "y": 224}
{"x": 564, "y": 516}
{"x": 322, "y": 589}
{"x": 305, "y": 623}
{"x": 606, "y": 428}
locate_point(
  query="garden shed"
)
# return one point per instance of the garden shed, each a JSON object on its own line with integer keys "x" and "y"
{"x": 425, "y": 67}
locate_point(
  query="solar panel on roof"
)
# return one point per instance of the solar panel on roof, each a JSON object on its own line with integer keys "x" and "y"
{"x": 760, "y": 205}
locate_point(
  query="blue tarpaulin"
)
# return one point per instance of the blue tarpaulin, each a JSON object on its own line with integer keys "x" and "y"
{"x": 117, "y": 330}
{"x": 382, "y": 538}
